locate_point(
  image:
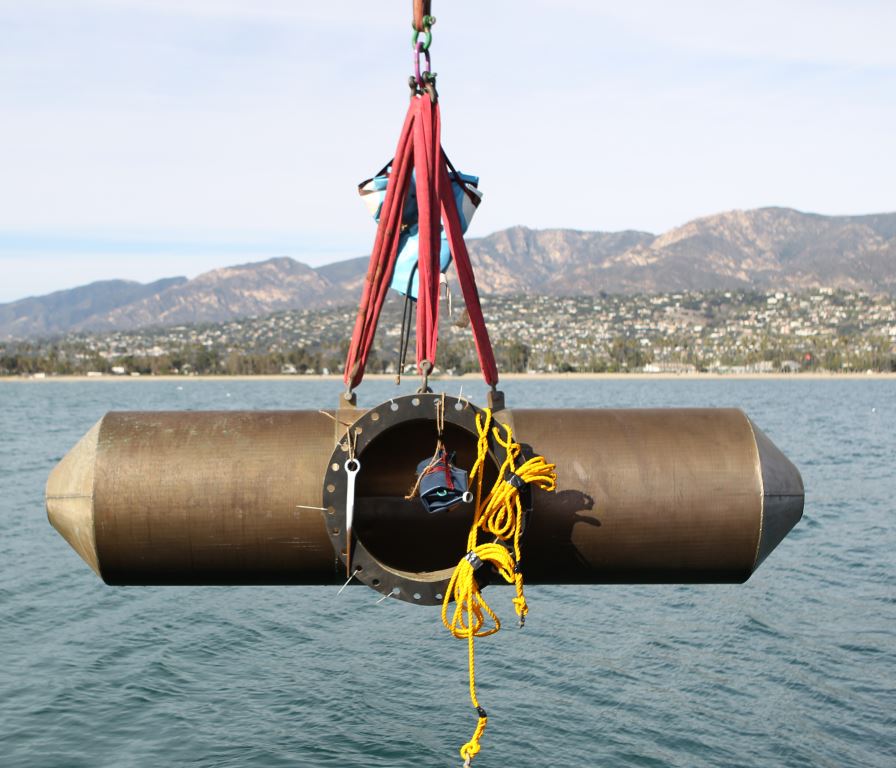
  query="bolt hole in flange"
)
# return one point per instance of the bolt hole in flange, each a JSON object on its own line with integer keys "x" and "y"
{"x": 398, "y": 543}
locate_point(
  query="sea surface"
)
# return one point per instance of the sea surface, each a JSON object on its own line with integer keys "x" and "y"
{"x": 797, "y": 667}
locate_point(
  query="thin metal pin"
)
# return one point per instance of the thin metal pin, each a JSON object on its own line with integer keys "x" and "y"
{"x": 305, "y": 506}
{"x": 347, "y": 582}
{"x": 352, "y": 467}
{"x": 384, "y": 597}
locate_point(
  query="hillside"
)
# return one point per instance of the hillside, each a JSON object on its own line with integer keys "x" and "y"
{"x": 63, "y": 311}
{"x": 765, "y": 248}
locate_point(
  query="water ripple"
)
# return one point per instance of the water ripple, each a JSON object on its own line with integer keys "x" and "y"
{"x": 794, "y": 668}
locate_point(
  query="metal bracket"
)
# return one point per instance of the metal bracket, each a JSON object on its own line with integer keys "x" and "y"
{"x": 347, "y": 413}
{"x": 423, "y": 588}
{"x": 495, "y": 400}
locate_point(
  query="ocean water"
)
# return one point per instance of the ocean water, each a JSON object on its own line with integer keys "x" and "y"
{"x": 797, "y": 667}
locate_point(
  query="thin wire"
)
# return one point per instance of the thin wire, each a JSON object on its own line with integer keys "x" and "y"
{"x": 440, "y": 446}
{"x": 338, "y": 421}
{"x": 347, "y": 581}
{"x": 351, "y": 443}
{"x": 405, "y": 335}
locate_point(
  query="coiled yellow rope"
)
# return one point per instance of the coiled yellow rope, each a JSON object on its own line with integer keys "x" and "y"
{"x": 500, "y": 514}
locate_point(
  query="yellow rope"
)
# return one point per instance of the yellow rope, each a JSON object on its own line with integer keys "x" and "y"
{"x": 500, "y": 514}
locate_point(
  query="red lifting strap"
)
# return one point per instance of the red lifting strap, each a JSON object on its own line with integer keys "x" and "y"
{"x": 419, "y": 149}
{"x": 427, "y": 155}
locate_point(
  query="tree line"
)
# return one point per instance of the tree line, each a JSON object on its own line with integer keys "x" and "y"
{"x": 620, "y": 354}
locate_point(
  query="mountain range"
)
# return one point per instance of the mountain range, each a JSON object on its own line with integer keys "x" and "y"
{"x": 758, "y": 249}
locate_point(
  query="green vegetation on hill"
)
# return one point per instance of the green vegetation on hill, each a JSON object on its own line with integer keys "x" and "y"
{"x": 710, "y": 331}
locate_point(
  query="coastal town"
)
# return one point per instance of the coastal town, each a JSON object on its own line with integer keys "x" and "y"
{"x": 722, "y": 332}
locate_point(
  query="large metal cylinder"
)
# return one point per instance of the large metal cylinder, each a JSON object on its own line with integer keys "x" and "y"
{"x": 231, "y": 497}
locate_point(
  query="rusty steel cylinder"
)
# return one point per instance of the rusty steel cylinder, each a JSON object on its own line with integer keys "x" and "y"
{"x": 231, "y": 497}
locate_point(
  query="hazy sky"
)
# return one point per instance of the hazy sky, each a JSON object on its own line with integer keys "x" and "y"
{"x": 148, "y": 138}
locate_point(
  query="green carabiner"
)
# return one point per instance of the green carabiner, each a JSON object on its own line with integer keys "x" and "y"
{"x": 428, "y": 21}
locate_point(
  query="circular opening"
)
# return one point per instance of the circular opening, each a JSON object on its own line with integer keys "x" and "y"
{"x": 438, "y": 595}
{"x": 416, "y": 595}
{"x": 393, "y": 406}
{"x": 415, "y": 401}
{"x": 331, "y": 510}
{"x": 374, "y": 416}
{"x": 352, "y": 465}
{"x": 375, "y": 582}
{"x": 331, "y": 487}
{"x": 334, "y": 466}
{"x": 397, "y": 531}
{"x": 458, "y": 406}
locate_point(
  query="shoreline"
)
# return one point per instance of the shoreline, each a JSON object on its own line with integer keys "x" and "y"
{"x": 814, "y": 376}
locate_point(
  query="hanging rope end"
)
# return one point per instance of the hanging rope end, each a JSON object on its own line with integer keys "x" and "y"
{"x": 469, "y": 750}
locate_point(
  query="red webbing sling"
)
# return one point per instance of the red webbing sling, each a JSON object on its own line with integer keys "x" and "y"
{"x": 382, "y": 258}
{"x": 427, "y": 155}
{"x": 419, "y": 149}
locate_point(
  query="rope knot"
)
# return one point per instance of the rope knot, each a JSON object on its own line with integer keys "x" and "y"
{"x": 499, "y": 513}
{"x": 469, "y": 750}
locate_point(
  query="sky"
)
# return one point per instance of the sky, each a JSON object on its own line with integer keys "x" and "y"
{"x": 142, "y": 139}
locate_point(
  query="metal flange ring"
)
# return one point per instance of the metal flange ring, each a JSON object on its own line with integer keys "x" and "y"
{"x": 397, "y": 548}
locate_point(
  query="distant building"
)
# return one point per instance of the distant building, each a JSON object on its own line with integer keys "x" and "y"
{"x": 669, "y": 368}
